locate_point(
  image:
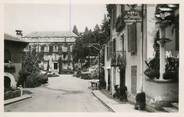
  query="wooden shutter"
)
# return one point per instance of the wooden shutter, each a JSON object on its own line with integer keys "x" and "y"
{"x": 177, "y": 39}
{"x": 50, "y": 48}
{"x": 132, "y": 39}
{"x": 110, "y": 48}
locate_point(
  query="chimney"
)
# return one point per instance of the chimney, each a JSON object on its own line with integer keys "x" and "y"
{"x": 19, "y": 33}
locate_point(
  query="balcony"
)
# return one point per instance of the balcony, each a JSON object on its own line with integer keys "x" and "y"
{"x": 118, "y": 59}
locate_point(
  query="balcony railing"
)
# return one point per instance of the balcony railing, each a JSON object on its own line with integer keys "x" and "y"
{"x": 118, "y": 59}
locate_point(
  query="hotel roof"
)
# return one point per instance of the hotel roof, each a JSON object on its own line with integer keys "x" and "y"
{"x": 50, "y": 34}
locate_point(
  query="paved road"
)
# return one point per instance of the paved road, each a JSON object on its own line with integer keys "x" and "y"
{"x": 61, "y": 94}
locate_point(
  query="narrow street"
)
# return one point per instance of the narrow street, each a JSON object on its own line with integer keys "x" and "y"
{"x": 62, "y": 94}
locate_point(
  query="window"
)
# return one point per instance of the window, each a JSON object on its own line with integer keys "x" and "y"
{"x": 46, "y": 48}
{"x": 29, "y": 47}
{"x": 71, "y": 48}
{"x": 42, "y": 48}
{"x": 109, "y": 49}
{"x": 55, "y": 65}
{"x": 55, "y": 48}
{"x": 114, "y": 45}
{"x": 38, "y": 48}
{"x": 64, "y": 49}
{"x": 50, "y": 48}
{"x": 7, "y": 56}
{"x": 113, "y": 16}
{"x": 132, "y": 39}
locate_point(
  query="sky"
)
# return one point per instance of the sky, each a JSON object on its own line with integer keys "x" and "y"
{"x": 51, "y": 17}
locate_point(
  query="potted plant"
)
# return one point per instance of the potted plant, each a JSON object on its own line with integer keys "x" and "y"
{"x": 172, "y": 68}
{"x": 153, "y": 68}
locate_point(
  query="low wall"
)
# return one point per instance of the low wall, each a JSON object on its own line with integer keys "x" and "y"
{"x": 161, "y": 93}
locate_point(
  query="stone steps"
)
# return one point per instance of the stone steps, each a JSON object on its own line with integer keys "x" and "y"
{"x": 172, "y": 108}
{"x": 175, "y": 105}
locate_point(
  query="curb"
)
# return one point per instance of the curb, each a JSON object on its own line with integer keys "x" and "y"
{"x": 17, "y": 99}
{"x": 103, "y": 102}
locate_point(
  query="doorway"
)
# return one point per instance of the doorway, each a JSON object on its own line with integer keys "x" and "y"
{"x": 122, "y": 78}
{"x": 109, "y": 80}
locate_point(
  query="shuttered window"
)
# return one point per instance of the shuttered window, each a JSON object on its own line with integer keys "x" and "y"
{"x": 51, "y": 48}
{"x": 132, "y": 39}
{"x": 110, "y": 48}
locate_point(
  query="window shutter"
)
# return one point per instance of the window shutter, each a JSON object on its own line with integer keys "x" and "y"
{"x": 50, "y": 48}
{"x": 129, "y": 38}
{"x": 132, "y": 39}
{"x": 110, "y": 49}
{"x": 177, "y": 39}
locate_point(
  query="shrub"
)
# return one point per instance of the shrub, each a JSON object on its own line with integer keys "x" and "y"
{"x": 172, "y": 69}
{"x": 33, "y": 80}
{"x": 12, "y": 94}
{"x": 140, "y": 101}
{"x": 53, "y": 75}
{"x": 36, "y": 79}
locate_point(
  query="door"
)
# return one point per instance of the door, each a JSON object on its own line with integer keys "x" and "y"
{"x": 55, "y": 66}
{"x": 134, "y": 79}
{"x": 109, "y": 80}
{"x": 122, "y": 78}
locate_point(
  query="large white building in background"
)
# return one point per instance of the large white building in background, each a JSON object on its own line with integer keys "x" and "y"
{"x": 55, "y": 49}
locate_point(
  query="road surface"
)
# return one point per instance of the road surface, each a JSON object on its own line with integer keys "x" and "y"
{"x": 62, "y": 94}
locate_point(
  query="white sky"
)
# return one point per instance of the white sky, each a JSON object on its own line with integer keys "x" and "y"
{"x": 51, "y": 17}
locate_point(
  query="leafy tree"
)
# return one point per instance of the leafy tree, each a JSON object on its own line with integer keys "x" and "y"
{"x": 97, "y": 38}
{"x": 86, "y": 30}
{"x": 97, "y": 28}
{"x": 29, "y": 66}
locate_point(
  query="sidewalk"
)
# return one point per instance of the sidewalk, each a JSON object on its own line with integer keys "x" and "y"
{"x": 13, "y": 100}
{"x": 114, "y": 105}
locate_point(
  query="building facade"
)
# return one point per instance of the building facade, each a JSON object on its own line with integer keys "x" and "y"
{"x": 137, "y": 36}
{"x": 54, "y": 50}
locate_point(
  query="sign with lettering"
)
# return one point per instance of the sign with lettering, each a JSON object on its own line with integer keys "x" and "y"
{"x": 133, "y": 13}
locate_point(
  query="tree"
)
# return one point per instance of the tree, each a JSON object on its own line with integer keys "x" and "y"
{"x": 75, "y": 30}
{"x": 29, "y": 65}
{"x": 99, "y": 36}
{"x": 86, "y": 30}
{"x": 97, "y": 28}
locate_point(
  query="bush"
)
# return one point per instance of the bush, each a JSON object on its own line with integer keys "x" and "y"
{"x": 85, "y": 76}
{"x": 52, "y": 75}
{"x": 172, "y": 69}
{"x": 12, "y": 94}
{"x": 35, "y": 80}
{"x": 140, "y": 101}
